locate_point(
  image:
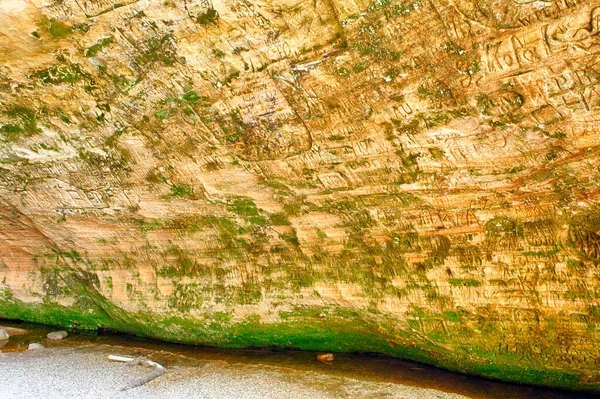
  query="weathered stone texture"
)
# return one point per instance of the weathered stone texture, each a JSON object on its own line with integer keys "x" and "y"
{"x": 411, "y": 177}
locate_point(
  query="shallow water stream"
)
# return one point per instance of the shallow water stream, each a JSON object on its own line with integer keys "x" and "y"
{"x": 361, "y": 367}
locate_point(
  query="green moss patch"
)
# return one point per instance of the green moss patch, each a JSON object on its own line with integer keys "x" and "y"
{"x": 55, "y": 29}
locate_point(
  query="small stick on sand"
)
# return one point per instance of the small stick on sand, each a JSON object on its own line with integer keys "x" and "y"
{"x": 157, "y": 372}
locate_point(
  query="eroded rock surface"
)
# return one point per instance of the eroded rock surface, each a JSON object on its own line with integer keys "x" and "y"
{"x": 411, "y": 177}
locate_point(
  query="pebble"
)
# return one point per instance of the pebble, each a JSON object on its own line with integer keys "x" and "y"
{"x": 35, "y": 346}
{"x": 57, "y": 335}
{"x": 326, "y": 358}
{"x": 4, "y": 334}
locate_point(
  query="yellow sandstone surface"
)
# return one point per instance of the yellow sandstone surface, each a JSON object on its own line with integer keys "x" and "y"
{"x": 412, "y": 177}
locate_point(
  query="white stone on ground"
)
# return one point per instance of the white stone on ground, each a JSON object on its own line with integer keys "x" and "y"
{"x": 35, "y": 346}
{"x": 57, "y": 335}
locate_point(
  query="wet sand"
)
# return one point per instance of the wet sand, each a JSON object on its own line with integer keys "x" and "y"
{"x": 87, "y": 373}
